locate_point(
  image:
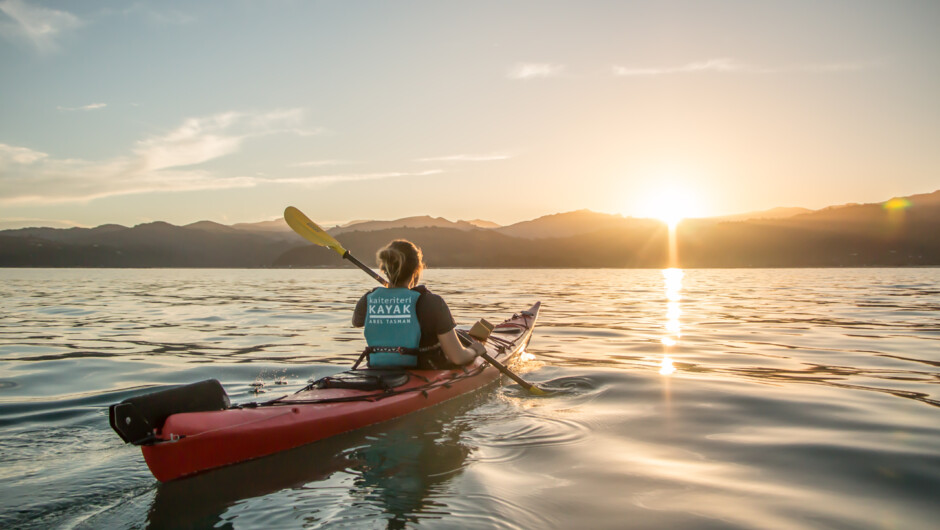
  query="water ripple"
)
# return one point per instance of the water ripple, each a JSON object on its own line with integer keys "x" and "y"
{"x": 698, "y": 398}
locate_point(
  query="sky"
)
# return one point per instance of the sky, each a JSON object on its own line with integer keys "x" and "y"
{"x": 229, "y": 111}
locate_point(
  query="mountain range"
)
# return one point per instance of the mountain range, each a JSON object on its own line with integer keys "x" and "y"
{"x": 899, "y": 232}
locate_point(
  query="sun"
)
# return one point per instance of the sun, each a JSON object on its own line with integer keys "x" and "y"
{"x": 670, "y": 204}
{"x": 671, "y": 214}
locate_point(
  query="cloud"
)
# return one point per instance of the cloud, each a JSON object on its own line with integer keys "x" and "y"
{"x": 19, "y": 155}
{"x": 321, "y": 163}
{"x": 162, "y": 163}
{"x": 11, "y": 223}
{"x": 157, "y": 163}
{"x": 198, "y": 140}
{"x": 727, "y": 65}
{"x": 850, "y": 66}
{"x": 525, "y": 71}
{"x": 93, "y": 106}
{"x": 466, "y": 158}
{"x": 40, "y": 26}
{"x": 351, "y": 177}
{"x": 712, "y": 65}
{"x": 34, "y": 177}
{"x": 317, "y": 131}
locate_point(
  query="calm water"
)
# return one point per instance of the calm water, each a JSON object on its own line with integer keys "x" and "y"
{"x": 697, "y": 399}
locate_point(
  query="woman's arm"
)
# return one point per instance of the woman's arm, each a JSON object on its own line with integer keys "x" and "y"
{"x": 454, "y": 350}
{"x": 359, "y": 314}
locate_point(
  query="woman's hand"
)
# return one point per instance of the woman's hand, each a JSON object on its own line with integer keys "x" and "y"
{"x": 477, "y": 347}
{"x": 455, "y": 351}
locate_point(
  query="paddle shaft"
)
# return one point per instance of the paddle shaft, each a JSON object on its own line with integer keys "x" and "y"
{"x": 522, "y": 382}
{"x": 507, "y": 372}
{"x": 352, "y": 259}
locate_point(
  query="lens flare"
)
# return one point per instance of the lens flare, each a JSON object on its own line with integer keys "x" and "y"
{"x": 897, "y": 204}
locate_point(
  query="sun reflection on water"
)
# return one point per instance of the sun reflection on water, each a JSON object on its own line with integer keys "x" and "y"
{"x": 666, "y": 368}
{"x": 672, "y": 279}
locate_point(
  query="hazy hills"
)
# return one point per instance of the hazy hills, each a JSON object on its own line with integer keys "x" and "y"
{"x": 900, "y": 232}
{"x": 147, "y": 245}
{"x": 852, "y": 235}
{"x": 424, "y": 221}
{"x": 773, "y": 213}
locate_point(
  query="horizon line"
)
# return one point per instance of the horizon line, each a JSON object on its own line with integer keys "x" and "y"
{"x": 65, "y": 224}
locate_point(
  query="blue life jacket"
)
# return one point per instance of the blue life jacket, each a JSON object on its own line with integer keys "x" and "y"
{"x": 392, "y": 330}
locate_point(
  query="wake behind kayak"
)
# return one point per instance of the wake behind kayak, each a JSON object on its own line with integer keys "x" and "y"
{"x": 194, "y": 428}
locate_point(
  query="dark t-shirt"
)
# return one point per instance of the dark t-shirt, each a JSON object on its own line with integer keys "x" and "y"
{"x": 433, "y": 315}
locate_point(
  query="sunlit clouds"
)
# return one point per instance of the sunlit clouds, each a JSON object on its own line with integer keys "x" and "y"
{"x": 10, "y": 155}
{"x": 197, "y": 140}
{"x": 46, "y": 180}
{"x": 8, "y": 223}
{"x": 524, "y": 71}
{"x": 321, "y": 163}
{"x": 725, "y": 65}
{"x": 712, "y": 65}
{"x": 348, "y": 177}
{"x": 202, "y": 139}
{"x": 719, "y": 65}
{"x": 41, "y": 27}
{"x": 467, "y": 158}
{"x": 162, "y": 162}
{"x": 91, "y": 106}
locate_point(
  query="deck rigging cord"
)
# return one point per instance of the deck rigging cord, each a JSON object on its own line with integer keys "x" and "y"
{"x": 466, "y": 373}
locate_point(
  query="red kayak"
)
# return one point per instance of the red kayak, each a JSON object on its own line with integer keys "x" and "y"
{"x": 190, "y": 429}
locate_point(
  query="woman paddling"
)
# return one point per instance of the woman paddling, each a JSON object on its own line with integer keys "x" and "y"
{"x": 406, "y": 325}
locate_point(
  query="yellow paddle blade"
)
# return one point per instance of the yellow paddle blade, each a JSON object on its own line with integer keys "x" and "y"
{"x": 538, "y": 391}
{"x": 310, "y": 231}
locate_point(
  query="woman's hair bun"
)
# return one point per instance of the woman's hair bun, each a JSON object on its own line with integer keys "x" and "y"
{"x": 401, "y": 260}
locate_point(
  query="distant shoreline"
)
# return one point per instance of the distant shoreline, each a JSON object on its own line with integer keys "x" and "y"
{"x": 853, "y": 236}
